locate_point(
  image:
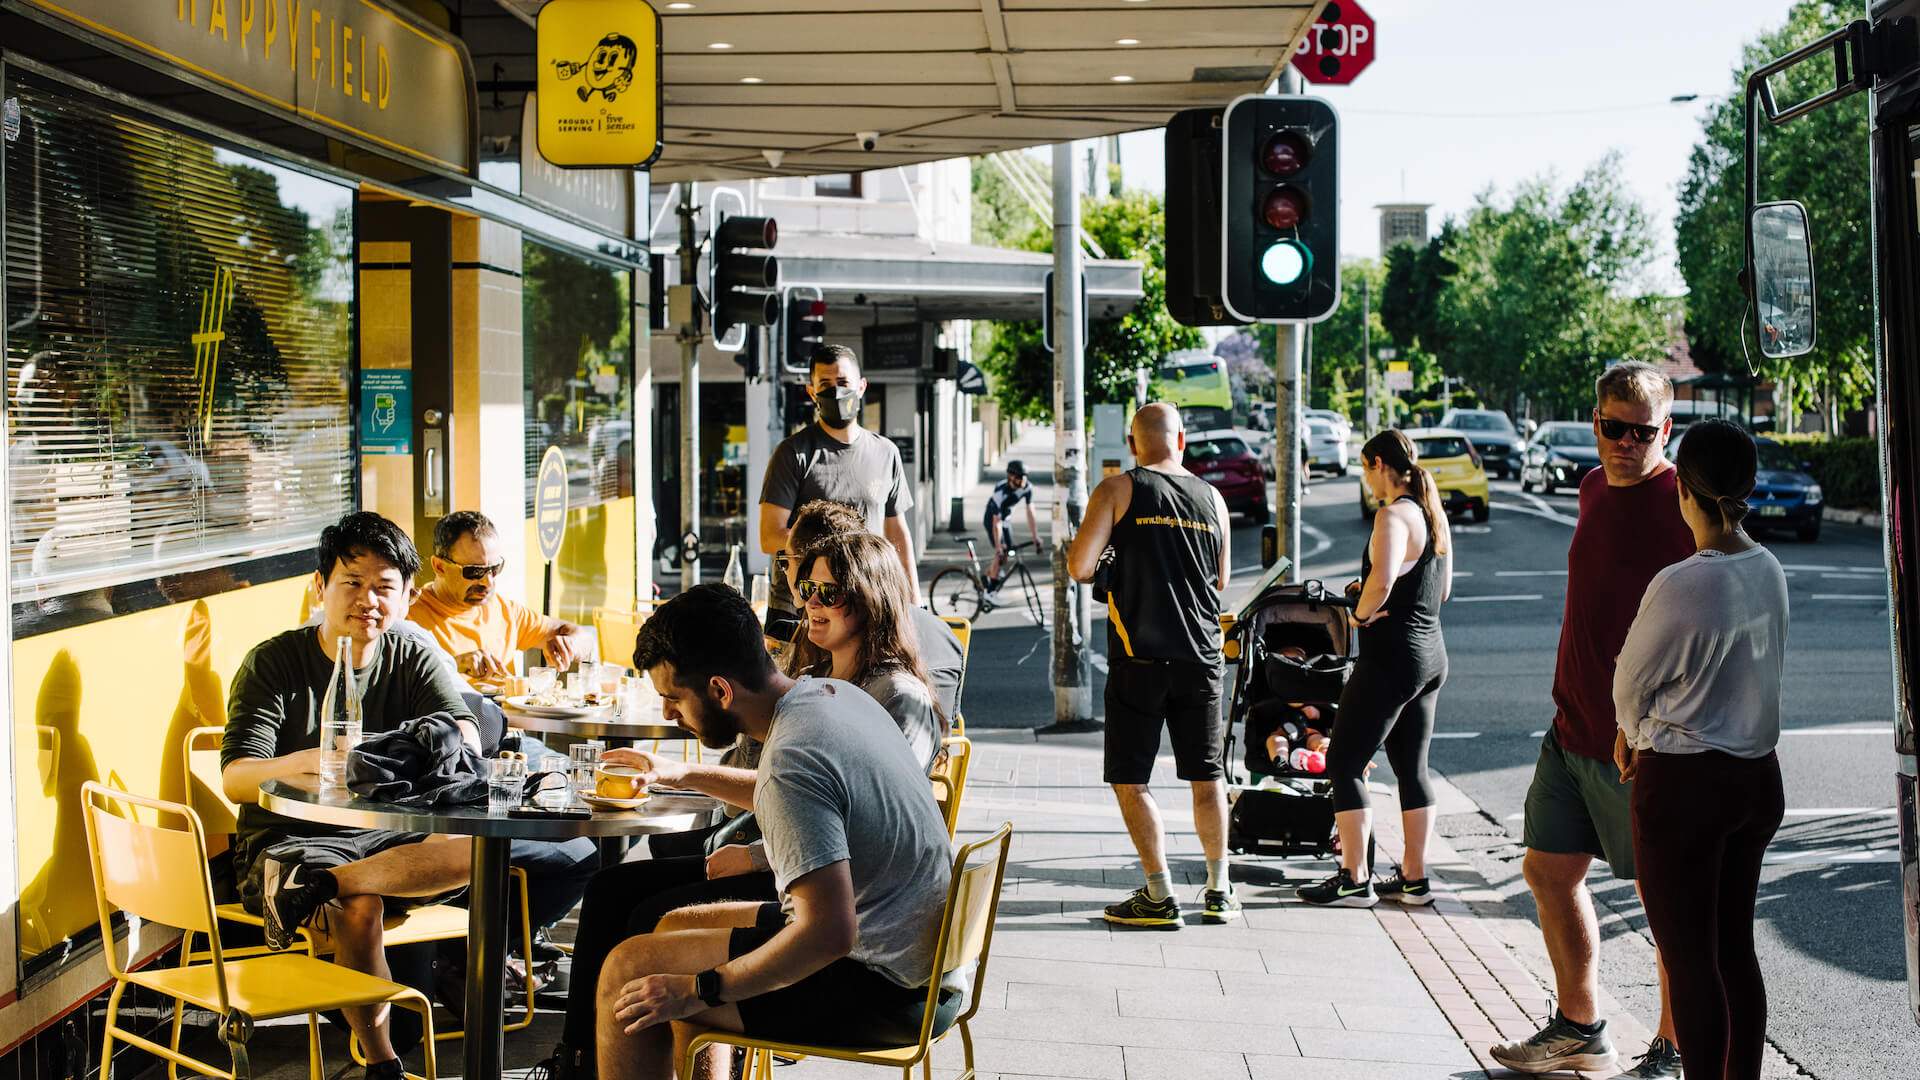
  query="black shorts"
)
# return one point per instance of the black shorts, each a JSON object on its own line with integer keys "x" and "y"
{"x": 324, "y": 852}
{"x": 1144, "y": 695}
{"x": 845, "y": 1003}
{"x": 1006, "y": 532}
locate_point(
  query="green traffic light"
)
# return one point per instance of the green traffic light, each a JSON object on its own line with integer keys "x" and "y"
{"x": 1285, "y": 262}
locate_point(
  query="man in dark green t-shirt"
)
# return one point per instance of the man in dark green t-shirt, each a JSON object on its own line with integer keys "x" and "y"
{"x": 292, "y": 871}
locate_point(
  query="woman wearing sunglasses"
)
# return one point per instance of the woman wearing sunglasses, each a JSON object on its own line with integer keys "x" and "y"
{"x": 1696, "y": 694}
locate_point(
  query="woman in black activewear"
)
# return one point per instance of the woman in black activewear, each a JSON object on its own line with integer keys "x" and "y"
{"x": 1406, "y": 573}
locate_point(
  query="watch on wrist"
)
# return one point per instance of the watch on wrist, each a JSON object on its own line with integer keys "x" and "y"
{"x": 706, "y": 986}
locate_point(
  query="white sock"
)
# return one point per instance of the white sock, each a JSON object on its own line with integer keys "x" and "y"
{"x": 1217, "y": 878}
{"x": 1160, "y": 886}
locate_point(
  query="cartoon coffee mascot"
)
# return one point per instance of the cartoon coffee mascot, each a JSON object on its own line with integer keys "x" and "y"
{"x": 608, "y": 72}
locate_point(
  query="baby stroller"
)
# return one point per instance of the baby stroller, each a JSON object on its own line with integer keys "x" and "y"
{"x": 1295, "y": 646}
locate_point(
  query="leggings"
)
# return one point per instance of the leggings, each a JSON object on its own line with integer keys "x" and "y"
{"x": 1701, "y": 823}
{"x": 1389, "y": 702}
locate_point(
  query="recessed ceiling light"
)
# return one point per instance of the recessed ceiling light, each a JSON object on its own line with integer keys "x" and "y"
{"x": 680, "y": 5}
{"x": 1127, "y": 41}
{"x": 721, "y": 45}
{"x": 752, "y": 79}
{"x": 1123, "y": 78}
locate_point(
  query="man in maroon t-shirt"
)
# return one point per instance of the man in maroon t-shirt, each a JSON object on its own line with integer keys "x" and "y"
{"x": 1577, "y": 809}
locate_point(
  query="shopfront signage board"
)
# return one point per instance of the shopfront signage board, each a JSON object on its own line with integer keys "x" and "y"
{"x": 597, "y": 100}
{"x": 550, "y": 503}
{"x": 893, "y": 348}
{"x": 600, "y": 197}
{"x": 386, "y": 411}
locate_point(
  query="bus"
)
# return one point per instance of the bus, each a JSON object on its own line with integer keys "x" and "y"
{"x": 1196, "y": 381}
{"x": 1879, "y": 56}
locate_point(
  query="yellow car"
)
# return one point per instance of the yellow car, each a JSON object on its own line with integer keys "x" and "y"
{"x": 1456, "y": 469}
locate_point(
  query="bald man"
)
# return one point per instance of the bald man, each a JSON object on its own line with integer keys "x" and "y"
{"x": 1168, "y": 534}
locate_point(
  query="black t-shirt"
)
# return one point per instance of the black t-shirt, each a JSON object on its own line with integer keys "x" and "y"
{"x": 274, "y": 707}
{"x": 1162, "y": 603}
{"x": 1000, "y": 504}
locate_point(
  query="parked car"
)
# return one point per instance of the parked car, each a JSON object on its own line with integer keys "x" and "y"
{"x": 1326, "y": 447}
{"x": 1493, "y": 435}
{"x": 1222, "y": 458}
{"x": 1338, "y": 420}
{"x": 1449, "y": 457}
{"x": 1784, "y": 496}
{"x": 1560, "y": 454}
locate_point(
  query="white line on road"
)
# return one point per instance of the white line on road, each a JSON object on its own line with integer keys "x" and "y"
{"x": 1850, "y": 575}
{"x": 1491, "y": 599}
{"x": 1841, "y": 811}
{"x": 1320, "y": 541}
{"x": 1814, "y": 568}
{"x": 1848, "y": 596}
{"x": 1528, "y": 573}
{"x": 1536, "y": 734}
{"x": 1539, "y": 509}
{"x": 1814, "y": 856}
{"x": 1835, "y": 731}
{"x": 1456, "y": 734}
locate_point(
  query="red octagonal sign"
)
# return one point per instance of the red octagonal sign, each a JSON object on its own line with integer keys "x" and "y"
{"x": 1339, "y": 47}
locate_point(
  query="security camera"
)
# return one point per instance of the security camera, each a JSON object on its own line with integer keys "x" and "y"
{"x": 867, "y": 139}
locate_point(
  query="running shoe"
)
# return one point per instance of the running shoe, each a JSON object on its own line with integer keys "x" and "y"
{"x": 1219, "y": 906}
{"x": 1404, "y": 890}
{"x": 1140, "y": 910}
{"x": 1340, "y": 890}
{"x": 1558, "y": 1047}
{"x": 565, "y": 1063}
{"x": 290, "y": 894}
{"x": 1660, "y": 1062}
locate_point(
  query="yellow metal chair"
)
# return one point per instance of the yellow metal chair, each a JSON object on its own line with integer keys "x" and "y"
{"x": 950, "y": 778}
{"x": 617, "y": 631}
{"x": 966, "y": 937}
{"x": 962, "y": 629}
{"x": 158, "y": 873}
{"x": 433, "y": 922}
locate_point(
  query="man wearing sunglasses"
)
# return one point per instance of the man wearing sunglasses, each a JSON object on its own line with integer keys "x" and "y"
{"x": 464, "y": 611}
{"x": 1577, "y": 809}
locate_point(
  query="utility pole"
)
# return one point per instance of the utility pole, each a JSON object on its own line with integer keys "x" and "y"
{"x": 1289, "y": 419}
{"x": 1366, "y": 356}
{"x": 1072, "y": 621}
{"x": 690, "y": 336}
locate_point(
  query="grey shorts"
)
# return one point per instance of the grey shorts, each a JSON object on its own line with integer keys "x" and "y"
{"x": 324, "y": 852}
{"x": 1578, "y": 806}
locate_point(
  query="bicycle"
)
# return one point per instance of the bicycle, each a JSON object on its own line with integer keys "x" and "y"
{"x": 961, "y": 589}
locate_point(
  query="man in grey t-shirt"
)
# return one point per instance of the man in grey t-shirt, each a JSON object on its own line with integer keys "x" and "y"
{"x": 858, "y": 848}
{"x": 835, "y": 458}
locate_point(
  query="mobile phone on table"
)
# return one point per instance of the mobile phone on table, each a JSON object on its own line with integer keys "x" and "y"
{"x": 580, "y": 812}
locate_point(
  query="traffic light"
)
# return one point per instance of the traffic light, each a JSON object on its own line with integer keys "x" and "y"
{"x": 1280, "y": 209}
{"x": 743, "y": 276}
{"x": 806, "y": 329}
{"x": 1193, "y": 219}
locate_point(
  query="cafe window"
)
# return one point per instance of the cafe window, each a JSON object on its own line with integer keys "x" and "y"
{"x": 838, "y": 185}
{"x": 177, "y": 358}
{"x": 577, "y": 325}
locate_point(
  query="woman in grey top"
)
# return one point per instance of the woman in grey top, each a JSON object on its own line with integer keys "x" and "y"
{"x": 1696, "y": 693}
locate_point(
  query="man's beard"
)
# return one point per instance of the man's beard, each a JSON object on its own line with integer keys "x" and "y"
{"x": 718, "y": 728}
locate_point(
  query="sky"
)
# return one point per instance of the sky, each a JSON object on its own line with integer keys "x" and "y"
{"x": 1463, "y": 96}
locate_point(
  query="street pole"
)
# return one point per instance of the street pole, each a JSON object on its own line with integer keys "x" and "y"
{"x": 1072, "y": 621}
{"x": 1289, "y": 418}
{"x": 1366, "y": 357}
{"x": 689, "y": 337}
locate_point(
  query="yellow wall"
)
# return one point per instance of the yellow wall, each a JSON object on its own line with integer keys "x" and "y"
{"x": 597, "y": 565}
{"x": 114, "y": 699}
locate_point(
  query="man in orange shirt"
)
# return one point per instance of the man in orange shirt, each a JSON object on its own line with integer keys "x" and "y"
{"x": 463, "y": 612}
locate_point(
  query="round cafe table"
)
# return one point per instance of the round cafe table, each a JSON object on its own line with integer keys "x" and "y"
{"x": 599, "y": 725}
{"x": 493, "y": 834}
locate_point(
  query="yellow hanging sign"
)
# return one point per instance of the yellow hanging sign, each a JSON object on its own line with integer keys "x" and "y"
{"x": 598, "y": 92}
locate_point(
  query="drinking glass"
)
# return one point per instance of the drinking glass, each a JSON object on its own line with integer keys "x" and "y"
{"x": 505, "y": 779}
{"x": 540, "y": 680}
{"x": 582, "y": 758}
{"x": 757, "y": 598}
{"x": 609, "y": 676}
{"x": 579, "y": 682}
{"x": 338, "y": 736}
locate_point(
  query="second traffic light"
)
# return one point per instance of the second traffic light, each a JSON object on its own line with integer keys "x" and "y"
{"x": 743, "y": 275}
{"x": 806, "y": 331}
{"x": 1280, "y": 209}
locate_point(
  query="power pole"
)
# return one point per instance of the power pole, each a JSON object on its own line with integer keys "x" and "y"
{"x": 690, "y": 336}
{"x": 1366, "y": 356}
{"x": 1072, "y": 621}
{"x": 1289, "y": 418}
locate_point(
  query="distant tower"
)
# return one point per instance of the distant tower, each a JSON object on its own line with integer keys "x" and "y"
{"x": 1402, "y": 223}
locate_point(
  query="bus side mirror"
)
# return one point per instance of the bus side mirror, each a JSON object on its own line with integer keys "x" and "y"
{"x": 1782, "y": 278}
{"x": 1269, "y": 546}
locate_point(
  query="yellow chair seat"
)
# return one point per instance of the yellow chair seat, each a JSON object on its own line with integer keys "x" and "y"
{"x": 278, "y": 984}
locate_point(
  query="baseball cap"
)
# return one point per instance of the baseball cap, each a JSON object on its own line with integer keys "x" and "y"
{"x": 1016, "y": 467}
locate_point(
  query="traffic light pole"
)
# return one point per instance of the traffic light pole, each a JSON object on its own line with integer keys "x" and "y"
{"x": 1072, "y": 621}
{"x": 1288, "y": 421}
{"x": 689, "y": 338}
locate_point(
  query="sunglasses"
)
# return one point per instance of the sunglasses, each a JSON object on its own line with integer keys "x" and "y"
{"x": 1614, "y": 430}
{"x": 828, "y": 593}
{"x": 479, "y": 572}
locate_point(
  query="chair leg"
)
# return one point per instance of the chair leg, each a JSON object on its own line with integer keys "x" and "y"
{"x": 316, "y": 1064}
{"x": 966, "y": 1049}
{"x": 113, "y": 1016}
{"x": 179, "y": 1015}
{"x": 428, "y": 1059}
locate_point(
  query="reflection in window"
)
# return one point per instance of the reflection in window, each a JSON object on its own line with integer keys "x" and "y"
{"x": 177, "y": 355}
{"x": 578, "y": 329}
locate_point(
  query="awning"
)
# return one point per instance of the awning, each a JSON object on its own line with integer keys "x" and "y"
{"x": 941, "y": 79}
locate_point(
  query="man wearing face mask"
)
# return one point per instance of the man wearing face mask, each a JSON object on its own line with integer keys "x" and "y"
{"x": 834, "y": 458}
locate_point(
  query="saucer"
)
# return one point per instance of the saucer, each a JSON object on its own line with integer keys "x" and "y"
{"x": 605, "y": 803}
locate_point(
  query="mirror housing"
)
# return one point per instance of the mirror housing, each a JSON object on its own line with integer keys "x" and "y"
{"x": 1269, "y": 546}
{"x": 1780, "y": 279}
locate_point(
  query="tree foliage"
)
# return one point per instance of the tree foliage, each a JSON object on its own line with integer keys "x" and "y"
{"x": 1820, "y": 160}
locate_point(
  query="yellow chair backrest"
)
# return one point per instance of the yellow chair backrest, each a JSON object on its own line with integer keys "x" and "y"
{"x": 950, "y": 778}
{"x": 974, "y": 901}
{"x": 200, "y": 752}
{"x": 617, "y": 631}
{"x": 962, "y": 629}
{"x": 156, "y": 871}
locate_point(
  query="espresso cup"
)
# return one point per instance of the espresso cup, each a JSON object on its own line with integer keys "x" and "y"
{"x": 617, "y": 782}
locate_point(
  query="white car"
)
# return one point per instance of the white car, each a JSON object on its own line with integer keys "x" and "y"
{"x": 1326, "y": 446}
{"x": 1339, "y": 422}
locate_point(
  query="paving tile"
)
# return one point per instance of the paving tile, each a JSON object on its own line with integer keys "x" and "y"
{"x": 1315, "y": 963}
{"x": 1305, "y": 1068}
{"x": 1269, "y": 1037}
{"x": 1210, "y": 958}
{"x": 1315, "y": 985}
{"x": 1127, "y": 947}
{"x": 1184, "y": 1064}
{"x": 1026, "y": 1057}
{"x": 1038, "y": 997}
{"x": 1381, "y": 1046}
{"x": 1259, "y": 1009}
{"x": 1408, "y": 1019}
{"x": 1122, "y": 976}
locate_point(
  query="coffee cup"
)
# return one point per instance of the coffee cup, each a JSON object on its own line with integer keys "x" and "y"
{"x": 617, "y": 782}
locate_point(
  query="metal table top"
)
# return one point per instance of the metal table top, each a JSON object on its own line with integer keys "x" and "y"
{"x": 603, "y": 726}
{"x": 299, "y": 798}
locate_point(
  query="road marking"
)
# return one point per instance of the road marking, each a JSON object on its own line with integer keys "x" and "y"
{"x": 1539, "y": 509}
{"x": 1462, "y": 573}
{"x": 1848, "y": 596}
{"x": 1492, "y": 599}
{"x": 1529, "y": 573}
{"x": 1321, "y": 541}
{"x": 1842, "y": 811}
{"x": 1814, "y": 568}
{"x": 1835, "y": 731}
{"x": 1456, "y": 734}
{"x": 1849, "y": 575}
{"x": 1536, "y": 734}
{"x": 1815, "y": 856}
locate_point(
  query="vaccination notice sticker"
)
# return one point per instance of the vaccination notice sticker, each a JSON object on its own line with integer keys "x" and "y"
{"x": 550, "y": 502}
{"x": 386, "y": 411}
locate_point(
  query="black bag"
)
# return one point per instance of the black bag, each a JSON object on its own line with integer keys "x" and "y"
{"x": 1312, "y": 679}
{"x": 1289, "y": 819}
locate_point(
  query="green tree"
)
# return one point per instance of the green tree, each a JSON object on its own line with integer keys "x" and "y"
{"x": 1821, "y": 160}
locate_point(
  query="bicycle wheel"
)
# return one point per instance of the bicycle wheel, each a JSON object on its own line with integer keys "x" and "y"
{"x": 1039, "y": 607}
{"x": 954, "y": 592}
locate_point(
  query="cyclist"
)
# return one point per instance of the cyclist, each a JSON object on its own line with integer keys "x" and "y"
{"x": 1014, "y": 491}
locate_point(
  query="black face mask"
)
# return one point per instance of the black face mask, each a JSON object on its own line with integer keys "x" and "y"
{"x": 837, "y": 406}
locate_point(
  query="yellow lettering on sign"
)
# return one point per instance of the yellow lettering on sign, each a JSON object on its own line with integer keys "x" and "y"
{"x": 186, "y": 10}
{"x": 293, "y": 36}
{"x": 217, "y": 20}
{"x": 346, "y": 79}
{"x": 313, "y": 48}
{"x": 246, "y": 24}
{"x": 366, "y": 92}
{"x": 386, "y": 76}
{"x": 272, "y": 29}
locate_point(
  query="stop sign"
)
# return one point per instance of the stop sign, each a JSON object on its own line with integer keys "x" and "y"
{"x": 1339, "y": 47}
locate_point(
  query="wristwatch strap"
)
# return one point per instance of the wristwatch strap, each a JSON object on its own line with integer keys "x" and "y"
{"x": 707, "y": 986}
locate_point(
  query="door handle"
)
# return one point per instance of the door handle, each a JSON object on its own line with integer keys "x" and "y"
{"x": 433, "y": 472}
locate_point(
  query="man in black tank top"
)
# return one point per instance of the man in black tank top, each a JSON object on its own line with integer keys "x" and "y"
{"x": 1168, "y": 534}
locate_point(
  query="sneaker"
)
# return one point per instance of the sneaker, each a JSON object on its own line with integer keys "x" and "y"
{"x": 289, "y": 897}
{"x": 1660, "y": 1062}
{"x": 1404, "y": 890}
{"x": 391, "y": 1069}
{"x": 1340, "y": 890}
{"x": 1138, "y": 910}
{"x": 1219, "y": 906}
{"x": 1558, "y": 1047}
{"x": 566, "y": 1063}
{"x": 545, "y": 951}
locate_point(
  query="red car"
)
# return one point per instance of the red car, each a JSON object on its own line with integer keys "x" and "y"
{"x": 1224, "y": 459}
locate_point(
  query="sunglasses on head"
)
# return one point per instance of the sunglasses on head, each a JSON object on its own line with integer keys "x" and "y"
{"x": 481, "y": 571}
{"x": 1614, "y": 430}
{"x": 828, "y": 593}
